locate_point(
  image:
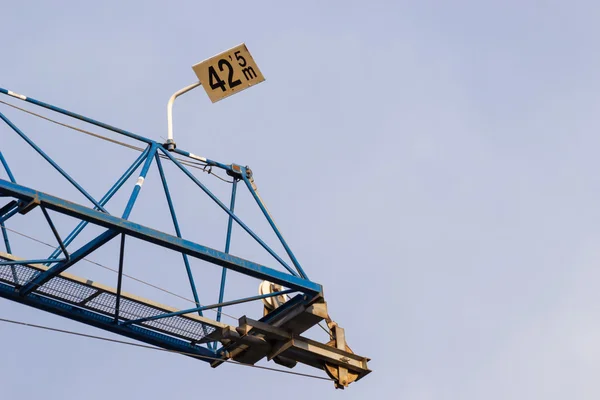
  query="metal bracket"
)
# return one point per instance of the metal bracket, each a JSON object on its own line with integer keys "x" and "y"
{"x": 24, "y": 208}
{"x": 278, "y": 339}
{"x": 235, "y": 172}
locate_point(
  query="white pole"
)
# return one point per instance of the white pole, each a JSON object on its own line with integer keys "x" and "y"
{"x": 170, "y": 141}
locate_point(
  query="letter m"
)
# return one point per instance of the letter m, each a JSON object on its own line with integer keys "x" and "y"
{"x": 248, "y": 72}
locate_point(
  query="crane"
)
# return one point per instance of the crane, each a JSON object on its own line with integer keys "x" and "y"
{"x": 292, "y": 303}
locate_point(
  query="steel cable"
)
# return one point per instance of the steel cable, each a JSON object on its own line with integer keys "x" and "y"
{"x": 194, "y": 164}
{"x": 161, "y": 349}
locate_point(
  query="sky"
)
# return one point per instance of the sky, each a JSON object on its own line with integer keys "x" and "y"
{"x": 431, "y": 163}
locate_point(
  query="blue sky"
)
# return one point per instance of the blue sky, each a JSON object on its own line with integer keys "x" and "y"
{"x": 432, "y": 164}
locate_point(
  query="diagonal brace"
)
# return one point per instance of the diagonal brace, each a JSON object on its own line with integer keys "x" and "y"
{"x": 209, "y": 307}
{"x": 119, "y": 225}
{"x": 78, "y": 255}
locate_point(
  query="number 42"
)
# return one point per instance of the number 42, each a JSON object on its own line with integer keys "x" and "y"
{"x": 216, "y": 82}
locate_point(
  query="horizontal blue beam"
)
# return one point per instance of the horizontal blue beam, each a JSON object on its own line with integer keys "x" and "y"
{"x": 204, "y": 160}
{"x": 209, "y": 307}
{"x": 77, "y": 116}
{"x": 109, "y": 127}
{"x": 105, "y": 322}
{"x": 120, "y": 225}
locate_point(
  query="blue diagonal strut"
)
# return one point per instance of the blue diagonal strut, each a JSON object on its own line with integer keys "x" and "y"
{"x": 119, "y": 225}
{"x": 6, "y": 168}
{"x": 208, "y": 307}
{"x": 227, "y": 245}
{"x": 231, "y": 214}
{"x": 76, "y": 256}
{"x": 99, "y": 241}
{"x": 104, "y": 200}
{"x": 186, "y": 262}
{"x": 267, "y": 215}
{"x": 51, "y": 161}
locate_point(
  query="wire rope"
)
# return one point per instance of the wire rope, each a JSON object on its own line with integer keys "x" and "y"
{"x": 160, "y": 349}
{"x": 193, "y": 164}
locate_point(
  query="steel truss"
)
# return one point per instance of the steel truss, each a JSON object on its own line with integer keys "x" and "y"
{"x": 45, "y": 284}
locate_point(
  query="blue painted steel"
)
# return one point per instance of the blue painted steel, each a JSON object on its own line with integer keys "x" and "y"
{"x": 208, "y": 161}
{"x": 2, "y": 226}
{"x": 138, "y": 185}
{"x": 100, "y": 240}
{"x": 76, "y": 256}
{"x": 192, "y": 310}
{"x": 82, "y": 118}
{"x": 227, "y": 244}
{"x": 13, "y": 270}
{"x": 108, "y": 127}
{"x": 5, "y": 236}
{"x": 177, "y": 230}
{"x": 126, "y": 175}
{"x": 55, "y": 232}
{"x": 39, "y": 261}
{"x": 186, "y": 262}
{"x": 104, "y": 322}
{"x": 10, "y": 214}
{"x": 120, "y": 279}
{"x": 272, "y": 223}
{"x": 119, "y": 225}
{"x": 224, "y": 207}
{"x": 51, "y": 161}
{"x": 10, "y": 206}
{"x": 8, "y": 171}
{"x": 105, "y": 199}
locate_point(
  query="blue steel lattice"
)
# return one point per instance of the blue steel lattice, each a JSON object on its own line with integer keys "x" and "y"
{"x": 47, "y": 289}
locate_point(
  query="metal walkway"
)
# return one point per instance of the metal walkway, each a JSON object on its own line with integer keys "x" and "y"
{"x": 45, "y": 283}
{"x": 102, "y": 299}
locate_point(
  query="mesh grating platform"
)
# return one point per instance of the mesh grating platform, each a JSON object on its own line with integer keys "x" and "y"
{"x": 98, "y": 298}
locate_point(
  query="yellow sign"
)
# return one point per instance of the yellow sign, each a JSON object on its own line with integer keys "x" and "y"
{"x": 228, "y": 73}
